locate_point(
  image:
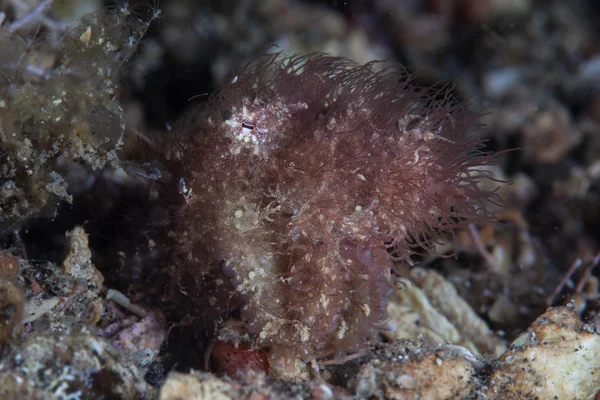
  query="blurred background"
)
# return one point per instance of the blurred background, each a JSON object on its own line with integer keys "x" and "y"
{"x": 530, "y": 67}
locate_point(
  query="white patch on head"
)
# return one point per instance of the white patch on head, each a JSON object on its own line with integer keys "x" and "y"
{"x": 254, "y": 122}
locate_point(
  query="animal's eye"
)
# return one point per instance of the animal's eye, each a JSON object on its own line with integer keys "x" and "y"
{"x": 248, "y": 126}
{"x": 413, "y": 124}
{"x": 225, "y": 114}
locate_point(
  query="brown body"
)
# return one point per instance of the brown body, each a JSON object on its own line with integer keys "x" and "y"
{"x": 304, "y": 174}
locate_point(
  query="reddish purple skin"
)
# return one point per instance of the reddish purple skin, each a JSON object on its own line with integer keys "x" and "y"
{"x": 304, "y": 173}
{"x": 231, "y": 360}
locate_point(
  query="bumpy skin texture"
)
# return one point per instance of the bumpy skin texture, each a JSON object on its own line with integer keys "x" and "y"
{"x": 303, "y": 175}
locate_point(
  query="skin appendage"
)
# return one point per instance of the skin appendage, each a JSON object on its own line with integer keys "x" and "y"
{"x": 307, "y": 176}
